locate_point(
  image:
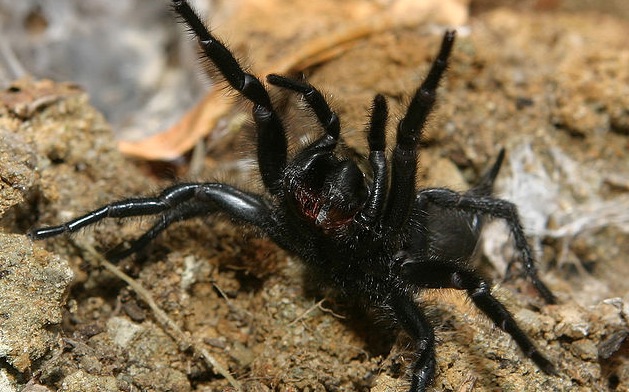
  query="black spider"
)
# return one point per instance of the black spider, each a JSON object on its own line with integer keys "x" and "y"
{"x": 376, "y": 238}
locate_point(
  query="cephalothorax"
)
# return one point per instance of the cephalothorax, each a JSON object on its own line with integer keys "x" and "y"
{"x": 376, "y": 238}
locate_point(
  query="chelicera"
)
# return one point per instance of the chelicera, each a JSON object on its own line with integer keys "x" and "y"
{"x": 376, "y": 238}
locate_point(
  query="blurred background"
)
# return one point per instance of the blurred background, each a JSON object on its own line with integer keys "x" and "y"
{"x": 126, "y": 54}
{"x": 139, "y": 68}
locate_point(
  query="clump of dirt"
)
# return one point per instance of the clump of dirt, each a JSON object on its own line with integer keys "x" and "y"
{"x": 551, "y": 84}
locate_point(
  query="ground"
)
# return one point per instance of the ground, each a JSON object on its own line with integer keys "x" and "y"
{"x": 552, "y": 88}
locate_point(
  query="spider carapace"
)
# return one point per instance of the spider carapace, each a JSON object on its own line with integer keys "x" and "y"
{"x": 377, "y": 237}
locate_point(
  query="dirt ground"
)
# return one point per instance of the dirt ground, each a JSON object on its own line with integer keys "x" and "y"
{"x": 550, "y": 87}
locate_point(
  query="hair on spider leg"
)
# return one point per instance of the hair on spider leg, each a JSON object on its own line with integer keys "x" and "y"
{"x": 378, "y": 239}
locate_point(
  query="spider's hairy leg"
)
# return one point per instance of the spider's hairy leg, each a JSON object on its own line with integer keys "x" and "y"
{"x": 368, "y": 216}
{"x": 179, "y": 202}
{"x": 480, "y": 293}
{"x": 412, "y": 319}
{"x": 485, "y": 186}
{"x": 327, "y": 118}
{"x": 242, "y": 206}
{"x": 497, "y": 208}
{"x": 435, "y": 273}
{"x": 121, "y": 209}
{"x": 180, "y": 213}
{"x": 409, "y": 131}
{"x": 271, "y": 136}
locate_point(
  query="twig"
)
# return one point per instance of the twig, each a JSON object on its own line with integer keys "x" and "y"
{"x": 318, "y": 305}
{"x": 169, "y": 326}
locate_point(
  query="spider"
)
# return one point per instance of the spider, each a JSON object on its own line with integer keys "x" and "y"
{"x": 374, "y": 237}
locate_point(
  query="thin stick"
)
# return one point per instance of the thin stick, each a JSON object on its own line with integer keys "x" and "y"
{"x": 170, "y": 327}
{"x": 318, "y": 305}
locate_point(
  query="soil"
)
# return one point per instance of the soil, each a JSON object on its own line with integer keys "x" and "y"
{"x": 552, "y": 88}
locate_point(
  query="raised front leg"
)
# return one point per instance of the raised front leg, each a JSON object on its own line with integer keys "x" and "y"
{"x": 272, "y": 143}
{"x": 372, "y": 211}
{"x": 409, "y": 132}
{"x": 327, "y": 118}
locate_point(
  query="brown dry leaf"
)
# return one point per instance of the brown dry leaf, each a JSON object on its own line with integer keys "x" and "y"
{"x": 289, "y": 37}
